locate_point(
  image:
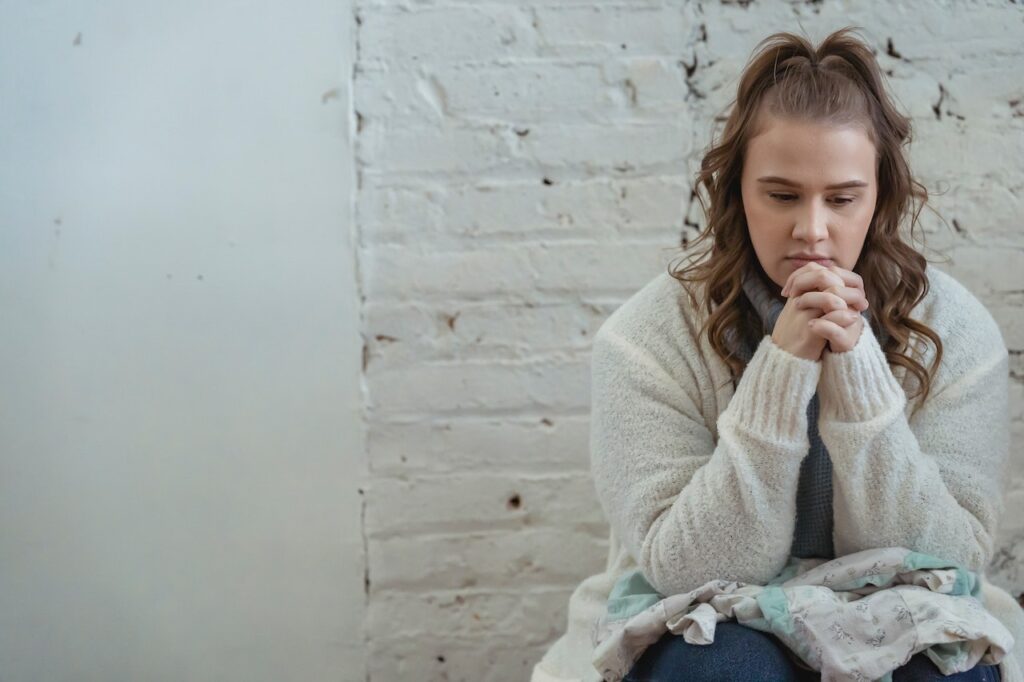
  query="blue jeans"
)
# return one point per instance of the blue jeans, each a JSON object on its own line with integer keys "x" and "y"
{"x": 742, "y": 653}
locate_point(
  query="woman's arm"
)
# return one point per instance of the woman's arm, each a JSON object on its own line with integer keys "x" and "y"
{"x": 687, "y": 509}
{"x": 932, "y": 485}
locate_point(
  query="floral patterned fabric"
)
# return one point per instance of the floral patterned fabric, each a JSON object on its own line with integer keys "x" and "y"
{"x": 856, "y": 617}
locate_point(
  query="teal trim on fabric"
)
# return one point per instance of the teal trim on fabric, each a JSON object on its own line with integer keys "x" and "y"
{"x": 778, "y": 620}
{"x": 787, "y": 572}
{"x": 775, "y": 607}
{"x": 967, "y": 582}
{"x": 631, "y": 595}
{"x": 947, "y": 655}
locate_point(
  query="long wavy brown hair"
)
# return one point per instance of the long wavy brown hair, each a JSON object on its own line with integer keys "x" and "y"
{"x": 837, "y": 83}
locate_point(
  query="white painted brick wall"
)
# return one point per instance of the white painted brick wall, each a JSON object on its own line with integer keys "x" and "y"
{"x": 525, "y": 167}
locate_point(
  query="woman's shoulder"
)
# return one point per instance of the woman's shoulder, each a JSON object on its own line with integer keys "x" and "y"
{"x": 957, "y": 315}
{"x": 654, "y": 328}
{"x": 972, "y": 340}
{"x": 660, "y": 309}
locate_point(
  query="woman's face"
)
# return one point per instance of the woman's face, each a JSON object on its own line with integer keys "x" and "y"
{"x": 790, "y": 199}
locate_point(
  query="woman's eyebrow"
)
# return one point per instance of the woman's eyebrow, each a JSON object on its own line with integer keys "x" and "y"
{"x": 783, "y": 181}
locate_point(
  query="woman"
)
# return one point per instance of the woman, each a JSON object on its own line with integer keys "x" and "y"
{"x": 730, "y": 396}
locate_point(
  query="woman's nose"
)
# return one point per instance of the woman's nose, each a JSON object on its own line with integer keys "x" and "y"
{"x": 811, "y": 225}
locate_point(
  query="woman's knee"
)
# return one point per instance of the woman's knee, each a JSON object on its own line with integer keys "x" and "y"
{"x": 738, "y": 652}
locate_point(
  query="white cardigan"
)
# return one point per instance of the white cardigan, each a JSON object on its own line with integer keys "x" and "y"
{"x": 698, "y": 482}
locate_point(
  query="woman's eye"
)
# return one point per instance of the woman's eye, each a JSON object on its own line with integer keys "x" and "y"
{"x": 786, "y": 198}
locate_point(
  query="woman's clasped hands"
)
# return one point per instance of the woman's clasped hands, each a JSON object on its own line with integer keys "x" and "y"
{"x": 822, "y": 310}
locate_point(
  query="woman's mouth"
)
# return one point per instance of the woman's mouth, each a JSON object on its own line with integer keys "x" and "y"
{"x": 800, "y": 262}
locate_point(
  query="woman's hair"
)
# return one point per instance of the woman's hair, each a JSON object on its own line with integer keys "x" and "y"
{"x": 838, "y": 83}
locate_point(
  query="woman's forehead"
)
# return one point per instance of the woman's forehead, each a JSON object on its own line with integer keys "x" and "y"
{"x": 809, "y": 153}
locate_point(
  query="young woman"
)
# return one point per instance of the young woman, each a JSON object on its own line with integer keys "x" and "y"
{"x": 808, "y": 387}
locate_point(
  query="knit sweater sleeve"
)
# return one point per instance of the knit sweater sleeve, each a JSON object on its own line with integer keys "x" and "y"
{"x": 931, "y": 484}
{"x": 688, "y": 509}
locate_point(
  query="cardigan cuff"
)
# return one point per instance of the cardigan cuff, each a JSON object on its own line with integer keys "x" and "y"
{"x": 773, "y": 393}
{"x": 858, "y": 385}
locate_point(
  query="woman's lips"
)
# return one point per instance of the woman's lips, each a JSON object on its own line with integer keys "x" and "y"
{"x": 800, "y": 262}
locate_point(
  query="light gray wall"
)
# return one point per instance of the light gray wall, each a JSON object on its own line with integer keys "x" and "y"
{"x": 180, "y": 411}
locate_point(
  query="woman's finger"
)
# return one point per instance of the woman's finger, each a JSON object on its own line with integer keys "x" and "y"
{"x": 808, "y": 267}
{"x": 825, "y": 328}
{"x": 852, "y": 282}
{"x": 825, "y": 281}
{"x": 850, "y": 278}
{"x": 843, "y": 318}
{"x": 854, "y": 298}
{"x": 813, "y": 277}
{"x": 825, "y": 301}
{"x": 840, "y": 339}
